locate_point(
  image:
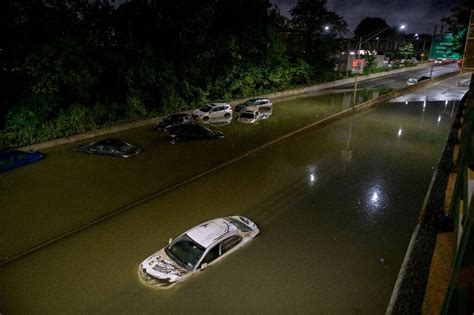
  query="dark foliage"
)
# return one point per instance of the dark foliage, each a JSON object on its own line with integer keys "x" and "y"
{"x": 77, "y": 65}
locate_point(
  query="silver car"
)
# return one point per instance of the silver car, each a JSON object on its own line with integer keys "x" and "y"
{"x": 196, "y": 249}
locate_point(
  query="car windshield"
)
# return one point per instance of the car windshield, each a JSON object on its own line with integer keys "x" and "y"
{"x": 251, "y": 102}
{"x": 185, "y": 252}
{"x": 247, "y": 115}
{"x": 206, "y": 108}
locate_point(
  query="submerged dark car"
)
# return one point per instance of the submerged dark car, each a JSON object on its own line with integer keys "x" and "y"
{"x": 112, "y": 147}
{"x": 192, "y": 131}
{"x": 174, "y": 120}
{"x": 15, "y": 158}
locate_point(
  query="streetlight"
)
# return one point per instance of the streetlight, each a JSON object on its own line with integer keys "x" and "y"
{"x": 326, "y": 28}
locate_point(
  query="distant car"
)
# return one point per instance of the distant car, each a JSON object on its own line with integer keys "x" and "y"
{"x": 112, "y": 147}
{"x": 15, "y": 158}
{"x": 438, "y": 61}
{"x": 192, "y": 131}
{"x": 459, "y": 62}
{"x": 196, "y": 249}
{"x": 174, "y": 120}
{"x": 254, "y": 103}
{"x": 213, "y": 110}
{"x": 411, "y": 81}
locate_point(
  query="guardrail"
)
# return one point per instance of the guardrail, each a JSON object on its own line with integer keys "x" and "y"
{"x": 432, "y": 278}
{"x": 459, "y": 297}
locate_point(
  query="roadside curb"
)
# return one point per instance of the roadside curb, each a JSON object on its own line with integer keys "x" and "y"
{"x": 275, "y": 95}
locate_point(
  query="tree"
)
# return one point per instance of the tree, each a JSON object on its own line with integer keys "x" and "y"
{"x": 458, "y": 22}
{"x": 458, "y": 19}
{"x": 308, "y": 20}
{"x": 369, "y": 25}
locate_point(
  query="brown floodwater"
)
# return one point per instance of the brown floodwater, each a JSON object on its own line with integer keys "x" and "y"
{"x": 69, "y": 189}
{"x": 336, "y": 207}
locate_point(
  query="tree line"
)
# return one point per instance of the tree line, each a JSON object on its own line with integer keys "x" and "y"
{"x": 70, "y": 66}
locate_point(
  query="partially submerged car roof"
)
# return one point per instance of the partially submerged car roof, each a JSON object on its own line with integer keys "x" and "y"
{"x": 206, "y": 233}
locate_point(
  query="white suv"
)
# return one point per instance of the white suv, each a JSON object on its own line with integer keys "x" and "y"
{"x": 213, "y": 110}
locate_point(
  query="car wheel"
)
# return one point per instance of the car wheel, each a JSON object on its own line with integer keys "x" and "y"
{"x": 205, "y": 118}
{"x": 227, "y": 115}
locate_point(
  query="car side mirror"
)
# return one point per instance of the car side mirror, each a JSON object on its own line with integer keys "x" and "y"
{"x": 204, "y": 265}
{"x": 170, "y": 240}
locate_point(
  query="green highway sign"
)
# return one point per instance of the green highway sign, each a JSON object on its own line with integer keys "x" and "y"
{"x": 442, "y": 47}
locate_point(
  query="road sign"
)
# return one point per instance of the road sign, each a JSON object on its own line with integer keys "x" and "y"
{"x": 442, "y": 47}
{"x": 358, "y": 66}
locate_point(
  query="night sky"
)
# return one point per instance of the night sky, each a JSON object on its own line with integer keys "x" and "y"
{"x": 420, "y": 16}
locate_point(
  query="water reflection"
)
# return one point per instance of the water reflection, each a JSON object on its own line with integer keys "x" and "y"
{"x": 313, "y": 175}
{"x": 217, "y": 121}
{"x": 375, "y": 200}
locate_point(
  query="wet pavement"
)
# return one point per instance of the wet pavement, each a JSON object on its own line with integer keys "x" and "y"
{"x": 336, "y": 207}
{"x": 399, "y": 80}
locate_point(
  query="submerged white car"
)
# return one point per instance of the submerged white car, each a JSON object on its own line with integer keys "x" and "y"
{"x": 253, "y": 116}
{"x": 197, "y": 248}
{"x": 412, "y": 81}
{"x": 213, "y": 110}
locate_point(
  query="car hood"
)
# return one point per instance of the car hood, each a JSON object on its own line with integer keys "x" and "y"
{"x": 161, "y": 270}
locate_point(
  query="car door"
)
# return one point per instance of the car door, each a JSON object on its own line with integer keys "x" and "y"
{"x": 218, "y": 111}
{"x": 220, "y": 249}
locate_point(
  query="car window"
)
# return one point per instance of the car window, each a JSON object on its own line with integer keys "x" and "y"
{"x": 247, "y": 115}
{"x": 185, "y": 251}
{"x": 239, "y": 225}
{"x": 212, "y": 254}
{"x": 229, "y": 243}
{"x": 206, "y": 109}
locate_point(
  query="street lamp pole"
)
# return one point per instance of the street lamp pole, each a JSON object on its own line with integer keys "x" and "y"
{"x": 370, "y": 36}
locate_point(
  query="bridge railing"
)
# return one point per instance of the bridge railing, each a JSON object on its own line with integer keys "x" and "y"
{"x": 459, "y": 298}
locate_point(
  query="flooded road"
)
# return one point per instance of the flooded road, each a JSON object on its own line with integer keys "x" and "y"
{"x": 69, "y": 189}
{"x": 336, "y": 208}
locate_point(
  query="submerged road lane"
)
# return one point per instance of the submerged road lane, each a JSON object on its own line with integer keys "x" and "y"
{"x": 68, "y": 190}
{"x": 336, "y": 207}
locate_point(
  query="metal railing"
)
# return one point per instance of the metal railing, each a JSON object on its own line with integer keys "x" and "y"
{"x": 459, "y": 296}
